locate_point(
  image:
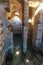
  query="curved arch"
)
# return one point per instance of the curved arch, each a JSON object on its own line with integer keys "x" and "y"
{"x": 39, "y": 8}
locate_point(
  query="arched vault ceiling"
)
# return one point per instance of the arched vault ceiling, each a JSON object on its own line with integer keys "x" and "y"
{"x": 15, "y": 6}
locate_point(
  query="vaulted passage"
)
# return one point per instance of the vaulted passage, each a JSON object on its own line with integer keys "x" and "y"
{"x": 21, "y": 32}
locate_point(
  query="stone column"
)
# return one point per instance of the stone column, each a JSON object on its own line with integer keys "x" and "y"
{"x": 25, "y": 27}
{"x": 2, "y": 37}
{"x": 1, "y": 40}
{"x": 39, "y": 30}
{"x": 8, "y": 36}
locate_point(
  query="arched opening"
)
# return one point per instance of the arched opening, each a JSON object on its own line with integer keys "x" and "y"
{"x": 15, "y": 18}
{"x": 38, "y": 25}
